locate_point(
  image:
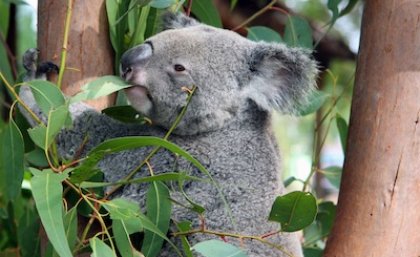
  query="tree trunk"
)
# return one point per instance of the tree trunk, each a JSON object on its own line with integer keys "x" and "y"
{"x": 379, "y": 203}
{"x": 89, "y": 52}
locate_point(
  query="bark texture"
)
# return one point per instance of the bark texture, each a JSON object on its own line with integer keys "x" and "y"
{"x": 379, "y": 203}
{"x": 89, "y": 52}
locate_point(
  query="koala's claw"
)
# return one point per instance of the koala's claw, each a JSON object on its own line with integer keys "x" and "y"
{"x": 46, "y": 68}
{"x": 35, "y": 70}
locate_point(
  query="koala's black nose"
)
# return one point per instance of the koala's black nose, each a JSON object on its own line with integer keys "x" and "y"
{"x": 133, "y": 58}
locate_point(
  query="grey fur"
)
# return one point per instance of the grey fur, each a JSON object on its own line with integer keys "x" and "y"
{"x": 226, "y": 127}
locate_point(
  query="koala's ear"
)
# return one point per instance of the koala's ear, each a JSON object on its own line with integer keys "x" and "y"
{"x": 177, "y": 20}
{"x": 281, "y": 77}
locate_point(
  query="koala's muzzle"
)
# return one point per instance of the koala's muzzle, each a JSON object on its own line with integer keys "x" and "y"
{"x": 134, "y": 58}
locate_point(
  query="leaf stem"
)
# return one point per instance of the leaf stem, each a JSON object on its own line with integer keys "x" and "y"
{"x": 65, "y": 40}
{"x": 234, "y": 235}
{"x": 256, "y": 15}
{"x": 21, "y": 102}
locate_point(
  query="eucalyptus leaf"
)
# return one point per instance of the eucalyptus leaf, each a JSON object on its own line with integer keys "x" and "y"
{"x": 38, "y": 135}
{"x": 294, "y": 211}
{"x": 261, "y": 33}
{"x": 207, "y": 13}
{"x": 312, "y": 252}
{"x": 122, "y": 238}
{"x": 298, "y": 33}
{"x": 349, "y": 7}
{"x": 126, "y": 210}
{"x": 102, "y": 86}
{"x": 47, "y": 95}
{"x": 28, "y": 233}
{"x": 57, "y": 120}
{"x": 100, "y": 249}
{"x": 185, "y": 226}
{"x": 158, "y": 206}
{"x": 125, "y": 114}
{"x": 333, "y": 174}
{"x": 169, "y": 176}
{"x": 70, "y": 225}
{"x": 333, "y": 7}
{"x": 47, "y": 191}
{"x": 11, "y": 161}
{"x": 162, "y": 3}
{"x": 343, "y": 130}
{"x": 217, "y": 248}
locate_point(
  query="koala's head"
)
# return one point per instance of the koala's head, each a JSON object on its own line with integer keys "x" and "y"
{"x": 227, "y": 69}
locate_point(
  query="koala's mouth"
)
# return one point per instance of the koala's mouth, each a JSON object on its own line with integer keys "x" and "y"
{"x": 140, "y": 98}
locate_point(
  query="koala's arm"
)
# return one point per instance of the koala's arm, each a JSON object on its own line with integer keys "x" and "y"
{"x": 89, "y": 128}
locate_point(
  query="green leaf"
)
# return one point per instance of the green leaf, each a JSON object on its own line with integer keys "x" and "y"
{"x": 153, "y": 22}
{"x": 70, "y": 224}
{"x": 118, "y": 24}
{"x": 169, "y": 176}
{"x": 126, "y": 210}
{"x": 102, "y": 86}
{"x": 57, "y": 120}
{"x": 298, "y": 33}
{"x": 349, "y": 7}
{"x": 125, "y": 114}
{"x": 11, "y": 161}
{"x": 289, "y": 181}
{"x": 326, "y": 216}
{"x": 343, "y": 130}
{"x": 217, "y": 248}
{"x": 47, "y": 192}
{"x": 28, "y": 233}
{"x": 207, "y": 13}
{"x": 38, "y": 135}
{"x": 312, "y": 252}
{"x": 261, "y": 33}
{"x": 233, "y": 4}
{"x": 185, "y": 226}
{"x": 47, "y": 95}
{"x": 100, "y": 249}
{"x": 333, "y": 174}
{"x": 37, "y": 158}
{"x": 122, "y": 239}
{"x": 294, "y": 211}
{"x": 158, "y": 206}
{"x": 162, "y": 3}
{"x": 333, "y": 7}
{"x": 88, "y": 167}
{"x": 315, "y": 102}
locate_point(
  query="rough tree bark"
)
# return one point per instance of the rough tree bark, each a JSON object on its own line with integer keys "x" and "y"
{"x": 89, "y": 52}
{"x": 379, "y": 203}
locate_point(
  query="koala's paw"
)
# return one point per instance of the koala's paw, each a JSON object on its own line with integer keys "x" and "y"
{"x": 34, "y": 69}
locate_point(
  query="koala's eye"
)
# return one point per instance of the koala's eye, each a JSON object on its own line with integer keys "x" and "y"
{"x": 179, "y": 67}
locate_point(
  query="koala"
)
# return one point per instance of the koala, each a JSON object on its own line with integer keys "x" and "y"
{"x": 239, "y": 83}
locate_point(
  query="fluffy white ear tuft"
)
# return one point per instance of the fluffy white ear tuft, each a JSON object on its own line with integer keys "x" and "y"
{"x": 178, "y": 20}
{"x": 281, "y": 77}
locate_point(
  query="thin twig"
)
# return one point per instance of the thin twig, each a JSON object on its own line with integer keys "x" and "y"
{"x": 189, "y": 6}
{"x": 65, "y": 41}
{"x": 21, "y": 102}
{"x": 239, "y": 236}
{"x": 256, "y": 15}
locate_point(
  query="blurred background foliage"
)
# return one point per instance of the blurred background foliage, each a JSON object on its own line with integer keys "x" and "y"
{"x": 306, "y": 141}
